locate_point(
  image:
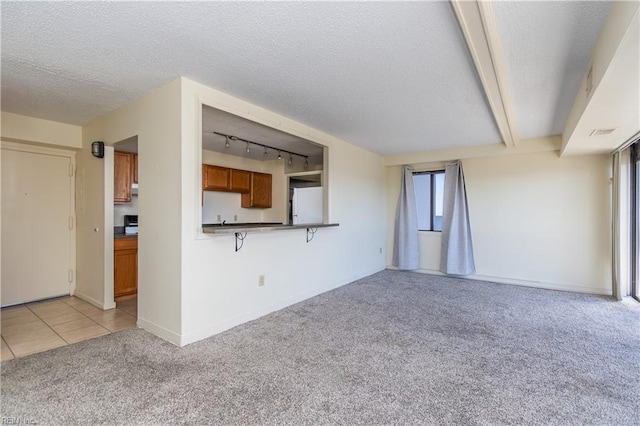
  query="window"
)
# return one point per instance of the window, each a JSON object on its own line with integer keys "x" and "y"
{"x": 429, "y": 191}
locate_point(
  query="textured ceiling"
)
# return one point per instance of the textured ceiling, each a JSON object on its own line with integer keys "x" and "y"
{"x": 393, "y": 77}
{"x": 546, "y": 48}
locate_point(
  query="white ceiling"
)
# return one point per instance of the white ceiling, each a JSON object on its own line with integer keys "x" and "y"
{"x": 546, "y": 48}
{"x": 393, "y": 77}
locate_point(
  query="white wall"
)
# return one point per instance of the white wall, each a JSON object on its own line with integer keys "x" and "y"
{"x": 220, "y": 286}
{"x": 192, "y": 285}
{"x": 536, "y": 220}
{"x": 156, "y": 120}
{"x": 227, "y": 205}
{"x": 20, "y": 128}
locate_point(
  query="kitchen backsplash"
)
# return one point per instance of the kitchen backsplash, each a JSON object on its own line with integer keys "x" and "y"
{"x": 227, "y": 204}
{"x": 120, "y": 210}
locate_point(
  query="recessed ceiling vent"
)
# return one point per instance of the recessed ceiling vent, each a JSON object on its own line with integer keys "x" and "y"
{"x": 601, "y": 132}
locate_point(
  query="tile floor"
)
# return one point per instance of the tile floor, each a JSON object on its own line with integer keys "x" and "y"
{"x": 40, "y": 326}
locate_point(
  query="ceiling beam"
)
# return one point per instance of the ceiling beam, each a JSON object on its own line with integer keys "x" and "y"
{"x": 477, "y": 22}
{"x": 525, "y": 146}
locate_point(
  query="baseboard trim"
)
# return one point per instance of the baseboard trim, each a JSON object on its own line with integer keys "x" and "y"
{"x": 255, "y": 314}
{"x": 159, "y": 331}
{"x": 522, "y": 283}
{"x": 95, "y": 302}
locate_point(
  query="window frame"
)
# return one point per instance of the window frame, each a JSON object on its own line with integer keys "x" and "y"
{"x": 432, "y": 197}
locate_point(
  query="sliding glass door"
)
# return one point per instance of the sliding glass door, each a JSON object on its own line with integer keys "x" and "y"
{"x": 635, "y": 221}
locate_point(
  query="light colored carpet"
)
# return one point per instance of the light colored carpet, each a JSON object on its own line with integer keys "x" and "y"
{"x": 393, "y": 348}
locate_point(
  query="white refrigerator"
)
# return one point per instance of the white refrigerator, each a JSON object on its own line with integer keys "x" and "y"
{"x": 307, "y": 206}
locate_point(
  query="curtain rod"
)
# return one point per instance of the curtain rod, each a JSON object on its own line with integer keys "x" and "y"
{"x": 235, "y": 138}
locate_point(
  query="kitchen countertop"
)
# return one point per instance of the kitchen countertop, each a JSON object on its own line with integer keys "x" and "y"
{"x": 118, "y": 232}
{"x": 117, "y": 235}
{"x": 258, "y": 227}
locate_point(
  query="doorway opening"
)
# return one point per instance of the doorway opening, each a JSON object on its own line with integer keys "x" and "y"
{"x": 125, "y": 225}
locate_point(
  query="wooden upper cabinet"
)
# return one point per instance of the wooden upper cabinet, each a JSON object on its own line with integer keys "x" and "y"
{"x": 254, "y": 187}
{"x": 122, "y": 177}
{"x": 259, "y": 195}
{"x": 135, "y": 168}
{"x": 240, "y": 181}
{"x": 215, "y": 178}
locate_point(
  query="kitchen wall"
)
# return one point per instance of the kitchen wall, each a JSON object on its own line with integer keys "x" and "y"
{"x": 227, "y": 205}
{"x": 536, "y": 220}
{"x": 120, "y": 210}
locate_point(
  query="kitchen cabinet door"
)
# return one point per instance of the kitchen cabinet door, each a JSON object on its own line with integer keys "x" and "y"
{"x": 240, "y": 181}
{"x": 125, "y": 265}
{"x": 259, "y": 195}
{"x": 135, "y": 167}
{"x": 121, "y": 177}
{"x": 215, "y": 178}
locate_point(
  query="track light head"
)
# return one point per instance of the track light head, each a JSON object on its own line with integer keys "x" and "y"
{"x": 290, "y": 162}
{"x": 248, "y": 149}
{"x": 306, "y": 163}
{"x": 265, "y": 151}
{"x": 279, "y": 156}
{"x": 226, "y": 142}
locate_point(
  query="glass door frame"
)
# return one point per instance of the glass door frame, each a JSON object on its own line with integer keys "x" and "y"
{"x": 635, "y": 217}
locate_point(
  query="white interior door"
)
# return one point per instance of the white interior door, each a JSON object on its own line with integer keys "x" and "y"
{"x": 36, "y": 230}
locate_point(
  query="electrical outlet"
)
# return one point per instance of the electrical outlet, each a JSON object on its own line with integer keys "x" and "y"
{"x": 260, "y": 280}
{"x": 235, "y": 217}
{"x": 219, "y": 218}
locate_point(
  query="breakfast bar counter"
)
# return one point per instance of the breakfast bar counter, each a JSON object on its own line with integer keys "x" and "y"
{"x": 240, "y": 230}
{"x": 258, "y": 227}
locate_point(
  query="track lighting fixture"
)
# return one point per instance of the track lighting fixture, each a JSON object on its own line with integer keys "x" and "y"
{"x": 265, "y": 147}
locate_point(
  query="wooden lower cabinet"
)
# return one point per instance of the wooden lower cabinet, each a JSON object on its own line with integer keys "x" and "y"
{"x": 125, "y": 265}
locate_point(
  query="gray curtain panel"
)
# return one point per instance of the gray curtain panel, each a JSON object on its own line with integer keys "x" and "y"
{"x": 456, "y": 257}
{"x": 405, "y": 244}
